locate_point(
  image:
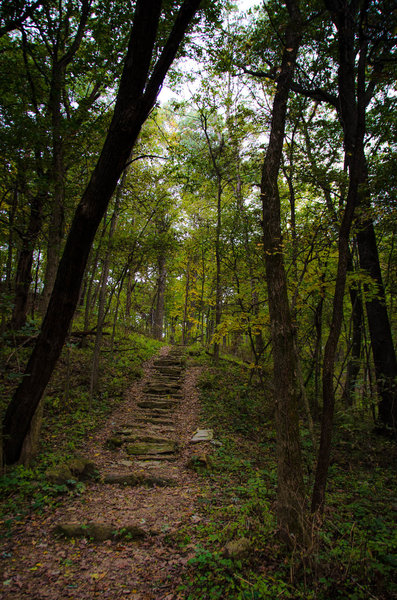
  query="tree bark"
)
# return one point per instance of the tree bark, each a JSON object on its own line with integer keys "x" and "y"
{"x": 158, "y": 319}
{"x": 136, "y": 96}
{"x": 383, "y": 351}
{"x": 290, "y": 490}
{"x": 352, "y": 109}
{"x": 23, "y": 277}
{"x": 354, "y": 364}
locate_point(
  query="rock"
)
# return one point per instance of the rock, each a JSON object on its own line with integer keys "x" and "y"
{"x": 99, "y": 532}
{"x": 169, "y": 362}
{"x": 96, "y": 531}
{"x": 154, "y": 420}
{"x": 151, "y": 448}
{"x": 152, "y": 439}
{"x": 201, "y": 461}
{"x": 125, "y": 463}
{"x": 237, "y": 549}
{"x": 161, "y": 389}
{"x": 202, "y": 435}
{"x": 131, "y": 532}
{"x": 151, "y": 458}
{"x": 77, "y": 468}
{"x": 114, "y": 442}
{"x": 59, "y": 475}
{"x": 164, "y": 404}
{"x": 216, "y": 443}
{"x": 130, "y": 479}
{"x": 83, "y": 468}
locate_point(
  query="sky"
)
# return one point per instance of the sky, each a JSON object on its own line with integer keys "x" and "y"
{"x": 166, "y": 93}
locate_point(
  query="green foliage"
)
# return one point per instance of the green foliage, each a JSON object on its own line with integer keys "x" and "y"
{"x": 25, "y": 489}
{"x": 353, "y": 550}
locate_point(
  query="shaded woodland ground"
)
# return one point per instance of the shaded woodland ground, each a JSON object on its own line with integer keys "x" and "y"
{"x": 208, "y": 516}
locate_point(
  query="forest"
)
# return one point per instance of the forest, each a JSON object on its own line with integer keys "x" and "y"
{"x": 198, "y": 252}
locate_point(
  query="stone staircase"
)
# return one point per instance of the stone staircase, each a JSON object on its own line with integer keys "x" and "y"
{"x": 150, "y": 438}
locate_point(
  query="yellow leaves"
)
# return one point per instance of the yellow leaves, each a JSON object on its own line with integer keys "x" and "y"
{"x": 98, "y": 576}
{"x": 37, "y": 566}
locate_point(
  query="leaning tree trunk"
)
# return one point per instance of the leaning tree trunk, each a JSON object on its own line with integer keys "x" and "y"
{"x": 290, "y": 490}
{"x": 136, "y": 96}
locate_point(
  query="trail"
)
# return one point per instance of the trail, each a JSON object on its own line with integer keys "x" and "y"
{"x": 149, "y": 437}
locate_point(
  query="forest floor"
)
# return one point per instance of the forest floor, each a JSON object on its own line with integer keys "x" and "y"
{"x": 162, "y": 518}
{"x": 39, "y": 563}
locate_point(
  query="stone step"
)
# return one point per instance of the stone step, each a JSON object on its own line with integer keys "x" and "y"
{"x": 155, "y": 458}
{"x": 117, "y": 442}
{"x": 156, "y": 420}
{"x": 157, "y": 404}
{"x": 100, "y": 532}
{"x": 167, "y": 379}
{"x": 139, "y": 479}
{"x": 138, "y": 429}
{"x": 169, "y": 362}
{"x": 152, "y": 448}
{"x": 161, "y": 389}
{"x": 168, "y": 368}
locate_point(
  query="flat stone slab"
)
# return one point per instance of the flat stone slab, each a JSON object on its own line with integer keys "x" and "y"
{"x": 202, "y": 435}
{"x": 169, "y": 370}
{"x": 169, "y": 362}
{"x": 138, "y": 479}
{"x": 125, "y": 463}
{"x": 156, "y": 404}
{"x": 115, "y": 442}
{"x": 161, "y": 390}
{"x": 152, "y": 448}
{"x": 155, "y": 458}
{"x": 154, "y": 420}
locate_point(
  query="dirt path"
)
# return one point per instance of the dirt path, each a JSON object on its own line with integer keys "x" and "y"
{"x": 160, "y": 413}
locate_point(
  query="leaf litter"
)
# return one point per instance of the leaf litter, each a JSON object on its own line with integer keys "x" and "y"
{"x": 37, "y": 564}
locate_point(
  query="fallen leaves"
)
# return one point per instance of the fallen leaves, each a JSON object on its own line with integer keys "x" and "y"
{"x": 79, "y": 568}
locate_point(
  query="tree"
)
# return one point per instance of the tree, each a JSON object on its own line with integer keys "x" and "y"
{"x": 290, "y": 487}
{"x": 139, "y": 86}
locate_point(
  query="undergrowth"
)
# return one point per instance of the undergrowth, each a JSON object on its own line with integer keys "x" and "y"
{"x": 70, "y": 416}
{"x": 353, "y": 552}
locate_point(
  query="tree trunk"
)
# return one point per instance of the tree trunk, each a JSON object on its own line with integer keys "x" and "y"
{"x": 24, "y": 269}
{"x": 136, "y": 96}
{"x": 354, "y": 364}
{"x": 290, "y": 490}
{"x": 352, "y": 108}
{"x": 218, "y": 286}
{"x": 158, "y": 319}
{"x": 102, "y": 297}
{"x": 379, "y": 328}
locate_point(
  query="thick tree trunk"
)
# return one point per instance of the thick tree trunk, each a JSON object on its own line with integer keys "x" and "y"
{"x": 379, "y": 328}
{"x": 135, "y": 99}
{"x": 352, "y": 98}
{"x": 290, "y": 490}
